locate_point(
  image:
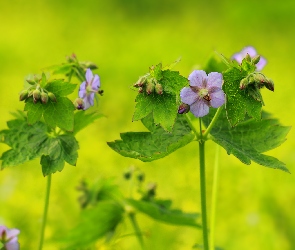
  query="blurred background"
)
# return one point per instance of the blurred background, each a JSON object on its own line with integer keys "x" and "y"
{"x": 255, "y": 207}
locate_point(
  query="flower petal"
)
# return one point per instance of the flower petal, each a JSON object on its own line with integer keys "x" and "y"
{"x": 197, "y": 78}
{"x": 188, "y": 96}
{"x": 217, "y": 98}
{"x": 249, "y": 50}
{"x": 11, "y": 233}
{"x": 12, "y": 246}
{"x": 82, "y": 90}
{"x": 88, "y": 75}
{"x": 214, "y": 80}
{"x": 262, "y": 62}
{"x": 88, "y": 101}
{"x": 200, "y": 108}
{"x": 96, "y": 82}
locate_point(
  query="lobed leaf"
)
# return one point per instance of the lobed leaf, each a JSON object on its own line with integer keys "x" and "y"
{"x": 249, "y": 139}
{"x": 156, "y": 144}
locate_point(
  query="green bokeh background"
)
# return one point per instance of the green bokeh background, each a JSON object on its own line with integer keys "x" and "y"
{"x": 255, "y": 204}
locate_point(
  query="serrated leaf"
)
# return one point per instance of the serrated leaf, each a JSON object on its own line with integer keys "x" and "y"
{"x": 60, "y": 88}
{"x": 59, "y": 113}
{"x": 62, "y": 149}
{"x": 164, "y": 107}
{"x": 28, "y": 142}
{"x": 165, "y": 214}
{"x": 94, "y": 224}
{"x": 249, "y": 139}
{"x": 239, "y": 102}
{"x": 156, "y": 144}
{"x": 82, "y": 119}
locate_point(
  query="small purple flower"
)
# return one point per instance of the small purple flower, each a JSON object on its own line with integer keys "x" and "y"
{"x": 88, "y": 89}
{"x": 8, "y": 237}
{"x": 252, "y": 53}
{"x": 204, "y": 92}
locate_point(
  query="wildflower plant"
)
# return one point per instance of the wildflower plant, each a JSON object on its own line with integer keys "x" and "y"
{"x": 47, "y": 127}
{"x": 225, "y": 97}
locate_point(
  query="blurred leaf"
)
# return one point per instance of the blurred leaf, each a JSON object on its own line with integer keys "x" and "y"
{"x": 63, "y": 148}
{"x": 249, "y": 139}
{"x": 30, "y": 142}
{"x": 94, "y": 224}
{"x": 165, "y": 214}
{"x": 82, "y": 119}
{"x": 238, "y": 101}
{"x": 163, "y": 106}
{"x": 156, "y": 144}
{"x": 215, "y": 64}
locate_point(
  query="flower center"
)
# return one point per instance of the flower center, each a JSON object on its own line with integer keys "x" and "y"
{"x": 203, "y": 92}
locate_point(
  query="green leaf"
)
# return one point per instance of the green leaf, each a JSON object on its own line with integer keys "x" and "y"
{"x": 60, "y": 88}
{"x": 249, "y": 139}
{"x": 159, "y": 212}
{"x": 164, "y": 106}
{"x": 28, "y": 142}
{"x": 239, "y": 102}
{"x": 63, "y": 148}
{"x": 156, "y": 144}
{"x": 82, "y": 119}
{"x": 59, "y": 113}
{"x": 94, "y": 224}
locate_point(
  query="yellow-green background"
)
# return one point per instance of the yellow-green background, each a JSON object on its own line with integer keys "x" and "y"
{"x": 255, "y": 204}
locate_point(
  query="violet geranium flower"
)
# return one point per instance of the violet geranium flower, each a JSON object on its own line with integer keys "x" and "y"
{"x": 252, "y": 53}
{"x": 88, "y": 89}
{"x": 8, "y": 237}
{"x": 204, "y": 92}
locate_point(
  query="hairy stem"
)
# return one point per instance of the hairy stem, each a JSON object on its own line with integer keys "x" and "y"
{"x": 188, "y": 119}
{"x": 44, "y": 219}
{"x": 214, "y": 198}
{"x": 212, "y": 123}
{"x": 137, "y": 230}
{"x": 203, "y": 189}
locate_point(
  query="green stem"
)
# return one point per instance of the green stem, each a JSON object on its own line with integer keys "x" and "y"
{"x": 213, "y": 201}
{"x": 136, "y": 229}
{"x": 203, "y": 189}
{"x": 218, "y": 112}
{"x": 188, "y": 119}
{"x": 44, "y": 219}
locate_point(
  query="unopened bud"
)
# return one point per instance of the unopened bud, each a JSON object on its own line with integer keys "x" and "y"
{"x": 150, "y": 87}
{"x": 244, "y": 83}
{"x": 89, "y": 65}
{"x": 159, "y": 89}
{"x": 44, "y": 98}
{"x": 78, "y": 103}
{"x": 269, "y": 84}
{"x": 248, "y": 58}
{"x": 183, "y": 108}
{"x": 141, "y": 82}
{"x": 23, "y": 95}
{"x": 52, "y": 97}
{"x": 256, "y": 59}
{"x": 140, "y": 90}
{"x": 36, "y": 95}
{"x": 32, "y": 82}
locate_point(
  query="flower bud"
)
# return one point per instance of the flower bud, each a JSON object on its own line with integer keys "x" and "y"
{"x": 36, "y": 95}
{"x": 150, "y": 87}
{"x": 141, "y": 82}
{"x": 256, "y": 59}
{"x": 269, "y": 84}
{"x": 159, "y": 89}
{"x": 78, "y": 103}
{"x": 248, "y": 58}
{"x": 44, "y": 97}
{"x": 183, "y": 108}
{"x": 52, "y": 97}
{"x": 23, "y": 95}
{"x": 32, "y": 82}
{"x": 244, "y": 83}
{"x": 140, "y": 90}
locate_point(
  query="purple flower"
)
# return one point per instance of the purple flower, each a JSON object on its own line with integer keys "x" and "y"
{"x": 204, "y": 92}
{"x": 8, "y": 237}
{"x": 252, "y": 53}
{"x": 88, "y": 89}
